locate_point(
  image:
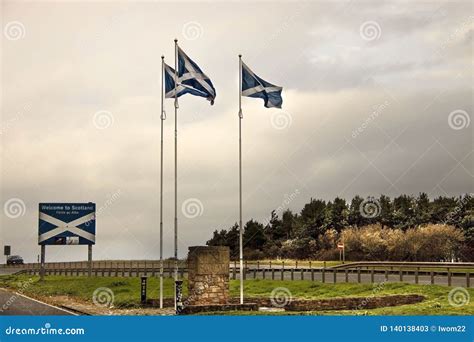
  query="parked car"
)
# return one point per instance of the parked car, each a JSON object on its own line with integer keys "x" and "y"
{"x": 15, "y": 260}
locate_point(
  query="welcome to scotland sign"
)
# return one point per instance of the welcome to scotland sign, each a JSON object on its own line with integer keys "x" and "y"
{"x": 66, "y": 224}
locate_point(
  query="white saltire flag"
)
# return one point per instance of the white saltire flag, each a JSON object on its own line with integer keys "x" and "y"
{"x": 254, "y": 86}
{"x": 171, "y": 90}
{"x": 191, "y": 77}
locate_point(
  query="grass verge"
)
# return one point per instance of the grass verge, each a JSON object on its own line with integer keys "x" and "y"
{"x": 127, "y": 292}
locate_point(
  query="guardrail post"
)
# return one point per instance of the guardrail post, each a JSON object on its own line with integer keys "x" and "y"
{"x": 323, "y": 275}
{"x": 302, "y": 274}
{"x": 110, "y": 268}
{"x": 312, "y": 274}
{"x": 273, "y": 274}
{"x": 346, "y": 273}
{"x": 432, "y": 277}
{"x": 401, "y": 274}
{"x": 334, "y": 272}
{"x": 386, "y": 275}
{"x": 449, "y": 276}
{"x": 292, "y": 277}
{"x": 372, "y": 275}
{"x": 468, "y": 279}
{"x": 358, "y": 274}
{"x": 263, "y": 273}
{"x": 123, "y": 269}
{"x": 103, "y": 268}
{"x": 416, "y": 275}
{"x": 282, "y": 271}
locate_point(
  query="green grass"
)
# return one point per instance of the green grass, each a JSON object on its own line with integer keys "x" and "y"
{"x": 127, "y": 292}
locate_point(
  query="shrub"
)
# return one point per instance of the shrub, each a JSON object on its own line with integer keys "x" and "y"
{"x": 424, "y": 243}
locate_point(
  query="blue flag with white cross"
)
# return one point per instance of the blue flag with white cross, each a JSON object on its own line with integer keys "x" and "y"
{"x": 171, "y": 90}
{"x": 254, "y": 86}
{"x": 192, "y": 80}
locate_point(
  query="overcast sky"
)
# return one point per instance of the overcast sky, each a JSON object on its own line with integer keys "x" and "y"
{"x": 378, "y": 98}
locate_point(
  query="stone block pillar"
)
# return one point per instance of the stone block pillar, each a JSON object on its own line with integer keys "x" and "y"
{"x": 208, "y": 275}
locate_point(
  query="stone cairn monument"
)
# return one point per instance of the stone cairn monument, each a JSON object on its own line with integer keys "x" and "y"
{"x": 208, "y": 277}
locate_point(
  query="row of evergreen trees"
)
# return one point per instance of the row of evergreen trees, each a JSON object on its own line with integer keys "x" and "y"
{"x": 318, "y": 217}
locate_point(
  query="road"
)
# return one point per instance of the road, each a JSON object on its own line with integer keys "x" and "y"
{"x": 9, "y": 270}
{"x": 12, "y": 303}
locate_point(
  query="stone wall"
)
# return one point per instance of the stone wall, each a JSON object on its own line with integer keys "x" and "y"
{"x": 343, "y": 303}
{"x": 208, "y": 275}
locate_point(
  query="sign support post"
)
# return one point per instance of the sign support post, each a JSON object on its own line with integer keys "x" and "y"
{"x": 43, "y": 255}
{"x": 342, "y": 252}
{"x": 89, "y": 259}
{"x": 6, "y": 252}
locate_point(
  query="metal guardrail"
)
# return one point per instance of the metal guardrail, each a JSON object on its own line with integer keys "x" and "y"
{"x": 403, "y": 264}
{"x": 367, "y": 272}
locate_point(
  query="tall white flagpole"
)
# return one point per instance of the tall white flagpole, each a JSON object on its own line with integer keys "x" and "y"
{"x": 241, "y": 251}
{"x": 175, "y": 165}
{"x": 162, "y": 117}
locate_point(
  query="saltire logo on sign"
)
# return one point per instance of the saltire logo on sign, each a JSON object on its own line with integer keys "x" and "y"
{"x": 66, "y": 224}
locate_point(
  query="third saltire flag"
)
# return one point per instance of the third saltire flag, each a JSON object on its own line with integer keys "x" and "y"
{"x": 254, "y": 86}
